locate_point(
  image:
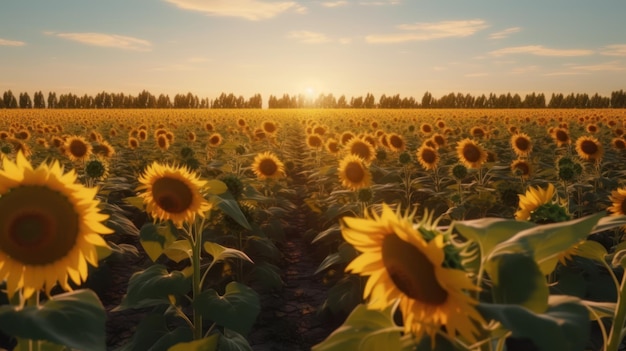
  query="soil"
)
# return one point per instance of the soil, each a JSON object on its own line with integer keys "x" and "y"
{"x": 290, "y": 318}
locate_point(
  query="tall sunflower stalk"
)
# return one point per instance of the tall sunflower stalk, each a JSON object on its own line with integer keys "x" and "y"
{"x": 174, "y": 193}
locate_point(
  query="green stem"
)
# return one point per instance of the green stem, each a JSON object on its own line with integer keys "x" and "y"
{"x": 615, "y": 336}
{"x": 197, "y": 281}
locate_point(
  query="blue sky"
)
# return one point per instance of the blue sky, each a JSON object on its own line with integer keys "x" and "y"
{"x": 350, "y": 48}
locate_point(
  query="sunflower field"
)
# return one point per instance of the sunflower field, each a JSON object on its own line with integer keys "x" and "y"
{"x": 298, "y": 229}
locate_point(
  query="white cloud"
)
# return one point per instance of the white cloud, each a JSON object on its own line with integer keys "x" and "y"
{"x": 525, "y": 69}
{"x": 106, "y": 40}
{"x": 379, "y": 3}
{"x": 504, "y": 33}
{"x": 540, "y": 50}
{"x": 614, "y": 50}
{"x": 248, "y": 9}
{"x": 6, "y": 42}
{"x": 334, "y": 3}
{"x": 607, "y": 66}
{"x": 429, "y": 31}
{"x": 305, "y": 36}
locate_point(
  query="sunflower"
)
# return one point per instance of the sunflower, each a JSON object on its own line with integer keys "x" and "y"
{"x": 396, "y": 142}
{"x": 162, "y": 142}
{"x": 402, "y": 265}
{"x": 104, "y": 149}
{"x": 332, "y": 146}
{"x": 618, "y": 202}
{"x": 533, "y": 200}
{"x": 522, "y": 144}
{"x": 49, "y": 227}
{"x": 353, "y": 173}
{"x": 269, "y": 127}
{"x": 426, "y": 128}
{"x": 362, "y": 149}
{"x": 561, "y": 136}
{"x": 266, "y": 165}
{"x": 439, "y": 139}
{"x": 172, "y": 193}
{"x": 142, "y": 135}
{"x": 314, "y": 141}
{"x": 618, "y": 144}
{"x": 215, "y": 140}
{"x": 346, "y": 137}
{"x": 133, "y": 143}
{"x": 470, "y": 153}
{"x": 521, "y": 168}
{"x": 478, "y": 132}
{"x": 77, "y": 148}
{"x": 589, "y": 148}
{"x": 97, "y": 169}
{"x": 428, "y": 157}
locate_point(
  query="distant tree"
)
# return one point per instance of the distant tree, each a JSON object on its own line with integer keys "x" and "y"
{"x": 9, "y": 100}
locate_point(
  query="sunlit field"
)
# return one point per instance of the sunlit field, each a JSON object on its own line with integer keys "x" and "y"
{"x": 292, "y": 229}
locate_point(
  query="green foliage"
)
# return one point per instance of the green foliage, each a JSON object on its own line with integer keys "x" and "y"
{"x": 237, "y": 309}
{"x": 563, "y": 326}
{"x": 152, "y": 286}
{"x": 58, "y": 320}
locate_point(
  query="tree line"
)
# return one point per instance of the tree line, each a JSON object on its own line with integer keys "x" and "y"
{"x": 145, "y": 99}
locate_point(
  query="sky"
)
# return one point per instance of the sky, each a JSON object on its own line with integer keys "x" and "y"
{"x": 339, "y": 47}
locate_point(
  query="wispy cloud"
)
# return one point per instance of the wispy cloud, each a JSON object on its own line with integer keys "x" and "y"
{"x": 573, "y": 69}
{"x": 305, "y": 36}
{"x": 429, "y": 31}
{"x": 6, "y": 42}
{"x": 379, "y": 3}
{"x": 504, "y": 33}
{"x": 606, "y": 66}
{"x": 253, "y": 10}
{"x": 540, "y": 50}
{"x": 614, "y": 50}
{"x": 190, "y": 64}
{"x": 525, "y": 69}
{"x": 334, "y": 3}
{"x": 106, "y": 40}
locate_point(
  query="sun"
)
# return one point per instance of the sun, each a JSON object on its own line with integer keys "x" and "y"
{"x": 309, "y": 92}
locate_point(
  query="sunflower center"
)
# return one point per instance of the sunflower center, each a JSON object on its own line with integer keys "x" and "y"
{"x": 38, "y": 225}
{"x": 268, "y": 167}
{"x": 361, "y": 149}
{"x": 411, "y": 271}
{"x": 562, "y": 136}
{"x": 522, "y": 144}
{"x": 78, "y": 148}
{"x": 429, "y": 156}
{"x": 589, "y": 147}
{"x": 471, "y": 153}
{"x": 354, "y": 172}
{"x": 172, "y": 195}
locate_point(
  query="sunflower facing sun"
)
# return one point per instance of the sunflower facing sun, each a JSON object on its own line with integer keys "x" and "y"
{"x": 402, "y": 264}
{"x": 49, "y": 227}
{"x": 173, "y": 193}
{"x": 267, "y": 166}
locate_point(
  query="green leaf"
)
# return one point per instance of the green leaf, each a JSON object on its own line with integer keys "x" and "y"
{"x": 75, "y": 319}
{"x": 229, "y": 205}
{"x": 205, "y": 344}
{"x": 517, "y": 280}
{"x": 547, "y": 241}
{"x": 329, "y": 261}
{"x": 266, "y": 276}
{"x": 135, "y": 201}
{"x": 233, "y": 341}
{"x": 154, "y": 238}
{"x": 237, "y": 309}
{"x": 152, "y": 286}
{"x": 221, "y": 253}
{"x": 215, "y": 187}
{"x": 176, "y": 336}
{"x": 150, "y": 329}
{"x": 592, "y": 250}
{"x": 489, "y": 232}
{"x": 178, "y": 250}
{"x": 564, "y": 326}
{"x": 364, "y": 330}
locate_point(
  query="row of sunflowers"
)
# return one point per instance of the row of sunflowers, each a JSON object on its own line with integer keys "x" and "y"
{"x": 475, "y": 230}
